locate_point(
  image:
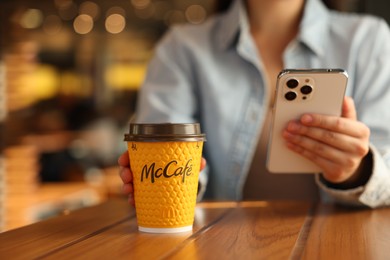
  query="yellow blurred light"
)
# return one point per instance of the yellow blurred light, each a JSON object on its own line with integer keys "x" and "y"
{"x": 125, "y": 76}
{"x": 115, "y": 23}
{"x": 39, "y": 84}
{"x": 83, "y": 24}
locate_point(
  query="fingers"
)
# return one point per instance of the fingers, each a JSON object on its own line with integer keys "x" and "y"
{"x": 128, "y": 188}
{"x": 202, "y": 164}
{"x": 328, "y": 157}
{"x": 131, "y": 199}
{"x": 127, "y": 179}
{"x": 327, "y": 165}
{"x": 336, "y": 165}
{"x": 312, "y": 148}
{"x": 336, "y": 144}
{"x": 124, "y": 159}
{"x": 297, "y": 133}
{"x": 335, "y": 124}
{"x": 125, "y": 174}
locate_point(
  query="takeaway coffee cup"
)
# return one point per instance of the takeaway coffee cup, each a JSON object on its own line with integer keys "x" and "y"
{"x": 165, "y": 160}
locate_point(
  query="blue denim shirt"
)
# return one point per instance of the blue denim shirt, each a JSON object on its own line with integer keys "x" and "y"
{"x": 212, "y": 73}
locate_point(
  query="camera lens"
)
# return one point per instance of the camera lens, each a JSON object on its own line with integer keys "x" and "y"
{"x": 292, "y": 83}
{"x": 290, "y": 96}
{"x": 306, "y": 89}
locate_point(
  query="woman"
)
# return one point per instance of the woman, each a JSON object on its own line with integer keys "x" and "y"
{"x": 223, "y": 72}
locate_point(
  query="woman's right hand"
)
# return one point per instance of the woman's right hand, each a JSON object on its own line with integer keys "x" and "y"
{"x": 126, "y": 176}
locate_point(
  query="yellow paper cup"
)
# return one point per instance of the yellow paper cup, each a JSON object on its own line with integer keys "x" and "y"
{"x": 165, "y": 161}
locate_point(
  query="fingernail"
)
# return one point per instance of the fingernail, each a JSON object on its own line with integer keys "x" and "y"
{"x": 307, "y": 119}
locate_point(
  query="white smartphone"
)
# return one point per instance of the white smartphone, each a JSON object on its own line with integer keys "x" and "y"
{"x": 318, "y": 91}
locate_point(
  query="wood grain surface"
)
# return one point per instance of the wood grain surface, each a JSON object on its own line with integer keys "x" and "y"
{"x": 222, "y": 230}
{"x": 349, "y": 233}
{"x": 55, "y": 234}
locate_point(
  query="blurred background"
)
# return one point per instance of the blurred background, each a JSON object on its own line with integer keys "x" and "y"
{"x": 69, "y": 75}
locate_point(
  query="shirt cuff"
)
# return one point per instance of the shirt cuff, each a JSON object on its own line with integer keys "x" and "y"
{"x": 375, "y": 193}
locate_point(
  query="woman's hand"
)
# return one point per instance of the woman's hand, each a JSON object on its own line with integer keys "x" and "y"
{"x": 336, "y": 144}
{"x": 127, "y": 176}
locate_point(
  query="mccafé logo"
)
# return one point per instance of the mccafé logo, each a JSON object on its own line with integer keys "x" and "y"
{"x": 172, "y": 169}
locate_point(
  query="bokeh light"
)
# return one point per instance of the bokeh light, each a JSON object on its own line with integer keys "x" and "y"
{"x": 31, "y": 19}
{"x": 115, "y": 23}
{"x": 83, "y": 24}
{"x": 195, "y": 14}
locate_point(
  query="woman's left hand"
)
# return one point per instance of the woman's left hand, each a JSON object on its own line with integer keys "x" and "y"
{"x": 336, "y": 144}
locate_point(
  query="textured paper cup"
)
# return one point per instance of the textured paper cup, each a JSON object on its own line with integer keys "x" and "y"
{"x": 165, "y": 161}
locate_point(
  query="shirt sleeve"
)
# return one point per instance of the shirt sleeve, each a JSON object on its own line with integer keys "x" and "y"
{"x": 372, "y": 99}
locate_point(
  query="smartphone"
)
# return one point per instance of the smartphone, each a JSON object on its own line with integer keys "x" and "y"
{"x": 319, "y": 91}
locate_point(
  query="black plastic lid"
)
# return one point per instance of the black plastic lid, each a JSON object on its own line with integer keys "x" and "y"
{"x": 165, "y": 132}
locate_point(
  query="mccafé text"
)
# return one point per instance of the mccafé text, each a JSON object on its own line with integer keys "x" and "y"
{"x": 171, "y": 169}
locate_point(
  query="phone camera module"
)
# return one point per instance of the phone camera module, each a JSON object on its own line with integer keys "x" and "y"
{"x": 306, "y": 89}
{"x": 292, "y": 83}
{"x": 290, "y": 96}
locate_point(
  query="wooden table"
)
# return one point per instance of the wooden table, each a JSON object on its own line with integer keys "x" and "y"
{"x": 222, "y": 230}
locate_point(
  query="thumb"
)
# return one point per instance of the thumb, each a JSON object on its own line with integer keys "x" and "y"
{"x": 349, "y": 110}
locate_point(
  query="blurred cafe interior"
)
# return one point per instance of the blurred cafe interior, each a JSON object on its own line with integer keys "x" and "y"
{"x": 69, "y": 75}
